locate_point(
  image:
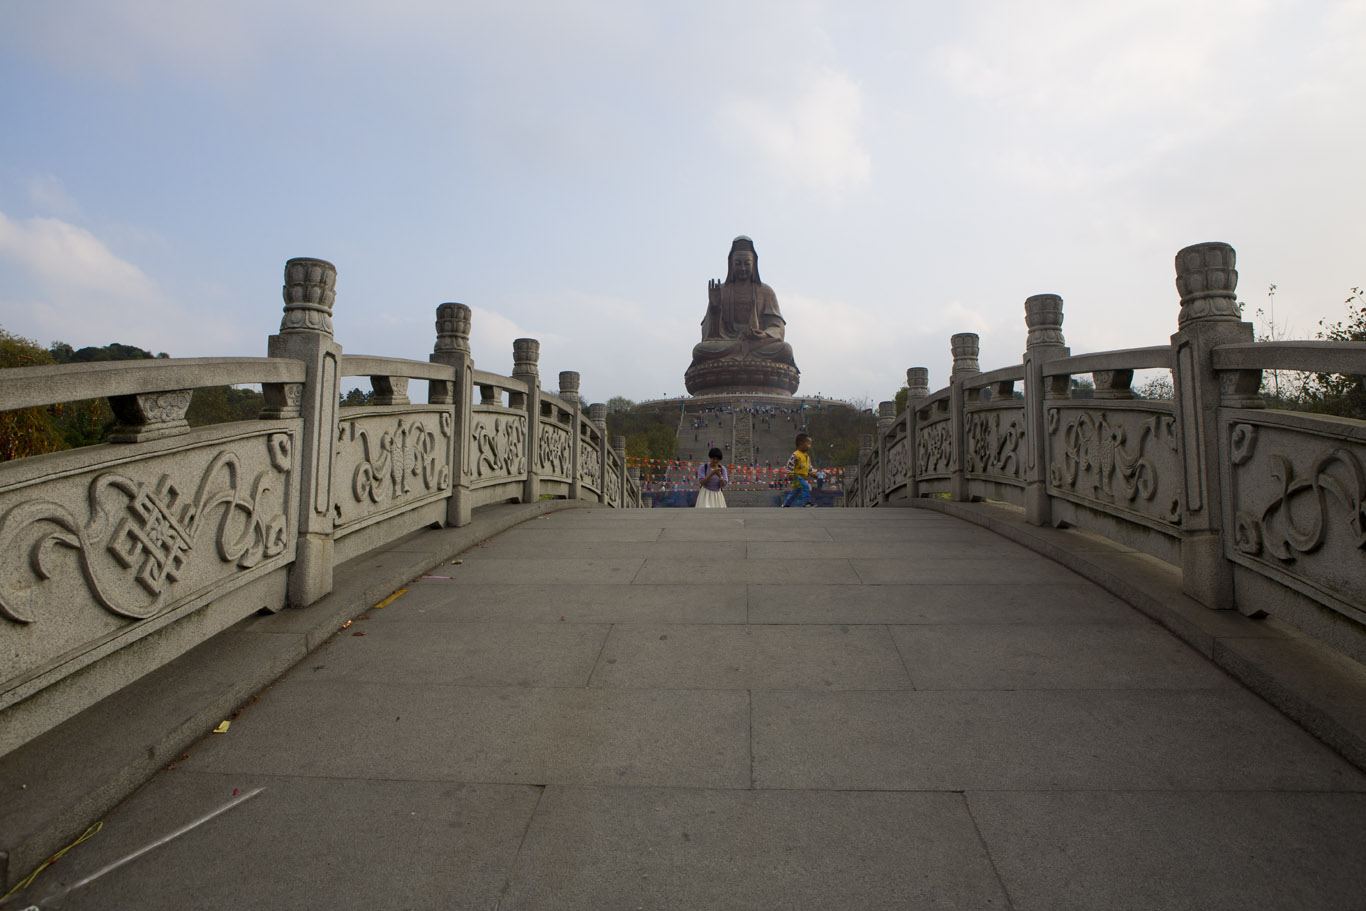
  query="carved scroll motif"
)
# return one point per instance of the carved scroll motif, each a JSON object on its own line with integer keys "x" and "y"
{"x": 499, "y": 446}
{"x": 898, "y": 464}
{"x": 992, "y": 448}
{"x": 553, "y": 452}
{"x": 155, "y": 531}
{"x": 1115, "y": 458}
{"x": 589, "y": 462}
{"x": 393, "y": 461}
{"x": 934, "y": 449}
{"x": 1297, "y": 518}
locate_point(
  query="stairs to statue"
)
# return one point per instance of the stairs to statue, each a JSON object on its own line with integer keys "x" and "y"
{"x": 742, "y": 447}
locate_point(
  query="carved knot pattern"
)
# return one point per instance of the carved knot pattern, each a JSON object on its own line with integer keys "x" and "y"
{"x": 156, "y": 533}
{"x": 499, "y": 448}
{"x": 934, "y": 449}
{"x": 1278, "y": 531}
{"x": 1096, "y": 458}
{"x": 389, "y": 465}
{"x": 898, "y": 464}
{"x": 553, "y": 452}
{"x": 991, "y": 448}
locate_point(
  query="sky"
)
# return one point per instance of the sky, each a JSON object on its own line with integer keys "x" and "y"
{"x": 575, "y": 172}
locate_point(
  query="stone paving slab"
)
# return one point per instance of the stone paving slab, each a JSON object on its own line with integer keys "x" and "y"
{"x": 1036, "y": 740}
{"x": 1018, "y": 657}
{"x": 473, "y": 654}
{"x": 576, "y": 548}
{"x": 633, "y": 848}
{"x": 668, "y": 569}
{"x": 549, "y": 569}
{"x": 1051, "y": 603}
{"x": 1025, "y": 569}
{"x": 304, "y": 843}
{"x": 872, "y": 549}
{"x": 796, "y": 533}
{"x": 440, "y": 601}
{"x": 1137, "y": 851}
{"x": 745, "y": 657}
{"x": 508, "y": 735}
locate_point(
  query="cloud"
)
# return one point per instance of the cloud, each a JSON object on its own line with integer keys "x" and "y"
{"x": 810, "y": 139}
{"x": 66, "y": 258}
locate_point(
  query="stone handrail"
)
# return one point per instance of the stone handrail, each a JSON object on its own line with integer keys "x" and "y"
{"x": 32, "y": 387}
{"x": 1261, "y": 509}
{"x": 169, "y": 534}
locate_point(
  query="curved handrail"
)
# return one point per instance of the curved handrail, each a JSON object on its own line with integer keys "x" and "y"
{"x": 371, "y": 365}
{"x": 31, "y": 387}
{"x": 1152, "y": 358}
{"x": 1312, "y": 357}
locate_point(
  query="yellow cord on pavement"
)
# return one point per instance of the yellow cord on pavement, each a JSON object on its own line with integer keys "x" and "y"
{"x": 28, "y": 880}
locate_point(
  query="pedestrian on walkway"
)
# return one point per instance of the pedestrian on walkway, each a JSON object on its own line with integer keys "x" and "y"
{"x": 711, "y": 480}
{"x": 799, "y": 467}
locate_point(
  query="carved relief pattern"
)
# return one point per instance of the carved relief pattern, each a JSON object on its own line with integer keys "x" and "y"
{"x": 994, "y": 449}
{"x": 553, "y": 455}
{"x": 589, "y": 463}
{"x": 498, "y": 447}
{"x": 1128, "y": 459}
{"x": 613, "y": 485}
{"x": 158, "y": 532}
{"x": 1309, "y": 520}
{"x": 393, "y": 459}
{"x": 934, "y": 449}
{"x": 898, "y": 464}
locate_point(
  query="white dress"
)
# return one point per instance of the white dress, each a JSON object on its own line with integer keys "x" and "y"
{"x": 706, "y": 497}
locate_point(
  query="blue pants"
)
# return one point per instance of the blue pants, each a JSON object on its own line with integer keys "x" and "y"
{"x": 799, "y": 495}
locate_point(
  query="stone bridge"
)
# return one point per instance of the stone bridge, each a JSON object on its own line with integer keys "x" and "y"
{"x": 1098, "y": 663}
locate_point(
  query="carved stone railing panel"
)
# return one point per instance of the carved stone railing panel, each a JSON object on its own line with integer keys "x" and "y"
{"x": 590, "y": 462}
{"x": 1297, "y": 504}
{"x": 934, "y": 449}
{"x": 1117, "y": 459}
{"x": 898, "y": 463}
{"x": 496, "y": 447}
{"x": 92, "y": 552}
{"x": 554, "y": 454}
{"x": 995, "y": 444}
{"x": 390, "y": 462}
{"x": 613, "y": 484}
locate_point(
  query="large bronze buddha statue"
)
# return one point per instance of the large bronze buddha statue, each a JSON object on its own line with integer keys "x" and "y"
{"x": 742, "y": 348}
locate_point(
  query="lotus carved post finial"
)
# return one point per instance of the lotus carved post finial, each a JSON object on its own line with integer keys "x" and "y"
{"x": 1208, "y": 283}
{"x": 310, "y": 290}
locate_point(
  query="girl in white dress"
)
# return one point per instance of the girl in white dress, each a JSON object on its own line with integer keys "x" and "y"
{"x": 711, "y": 478}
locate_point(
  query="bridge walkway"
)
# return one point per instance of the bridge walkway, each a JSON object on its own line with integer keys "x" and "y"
{"x": 746, "y": 709}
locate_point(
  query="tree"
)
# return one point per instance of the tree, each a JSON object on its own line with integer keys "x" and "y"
{"x": 619, "y": 403}
{"x": 1331, "y": 393}
{"x": 223, "y": 404}
{"x": 356, "y": 397}
{"x": 27, "y": 431}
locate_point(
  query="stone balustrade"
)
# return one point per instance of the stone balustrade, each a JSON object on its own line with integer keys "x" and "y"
{"x": 119, "y": 557}
{"x": 1263, "y": 510}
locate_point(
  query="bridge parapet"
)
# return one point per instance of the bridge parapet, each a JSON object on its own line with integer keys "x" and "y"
{"x": 116, "y": 558}
{"x": 1261, "y": 508}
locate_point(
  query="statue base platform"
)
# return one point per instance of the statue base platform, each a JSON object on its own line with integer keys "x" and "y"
{"x": 740, "y": 376}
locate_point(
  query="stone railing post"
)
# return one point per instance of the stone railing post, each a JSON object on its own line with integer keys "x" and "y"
{"x": 597, "y": 413}
{"x": 633, "y": 481}
{"x": 1043, "y": 316}
{"x": 569, "y": 391}
{"x": 965, "y": 346}
{"x": 886, "y": 417}
{"x": 1210, "y": 316}
{"x": 918, "y": 386}
{"x": 306, "y": 335}
{"x": 619, "y": 447}
{"x": 526, "y": 353}
{"x": 452, "y": 348}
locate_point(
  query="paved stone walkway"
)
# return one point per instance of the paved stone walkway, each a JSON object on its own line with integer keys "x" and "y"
{"x": 747, "y": 709}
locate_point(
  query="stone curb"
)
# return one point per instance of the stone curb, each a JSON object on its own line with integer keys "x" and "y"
{"x": 1316, "y": 686}
{"x": 54, "y": 787}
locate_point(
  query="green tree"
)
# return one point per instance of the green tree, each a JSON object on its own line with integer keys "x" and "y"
{"x": 1331, "y": 393}
{"x": 223, "y": 404}
{"x": 27, "y": 431}
{"x": 619, "y": 403}
{"x": 356, "y": 397}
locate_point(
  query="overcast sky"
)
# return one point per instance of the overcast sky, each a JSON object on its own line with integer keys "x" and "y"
{"x": 575, "y": 172}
